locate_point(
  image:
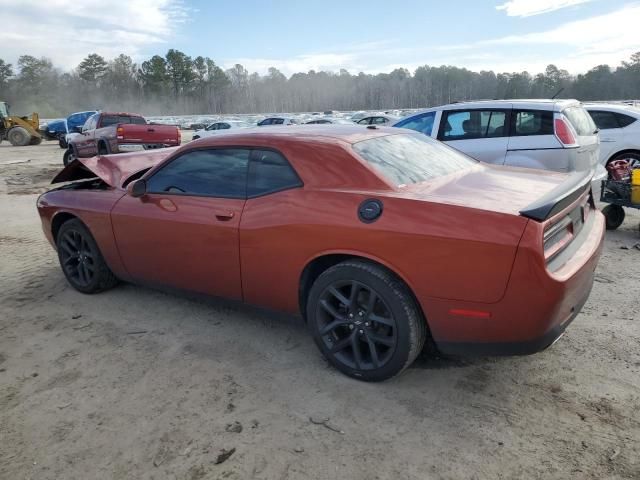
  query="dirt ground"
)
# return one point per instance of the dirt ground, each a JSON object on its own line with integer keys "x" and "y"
{"x": 137, "y": 384}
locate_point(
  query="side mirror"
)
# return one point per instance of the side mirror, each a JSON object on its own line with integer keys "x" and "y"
{"x": 137, "y": 188}
{"x": 78, "y": 129}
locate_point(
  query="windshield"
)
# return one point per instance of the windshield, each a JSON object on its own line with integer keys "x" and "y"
{"x": 411, "y": 158}
{"x": 4, "y": 109}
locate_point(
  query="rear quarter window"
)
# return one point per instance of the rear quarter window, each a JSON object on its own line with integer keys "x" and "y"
{"x": 625, "y": 120}
{"x": 581, "y": 121}
{"x": 531, "y": 122}
{"x": 411, "y": 158}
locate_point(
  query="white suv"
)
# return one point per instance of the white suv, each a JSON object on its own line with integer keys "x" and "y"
{"x": 619, "y": 130}
{"x": 546, "y": 134}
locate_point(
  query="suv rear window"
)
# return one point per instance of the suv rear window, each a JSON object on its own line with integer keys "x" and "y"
{"x": 411, "y": 158}
{"x": 581, "y": 121}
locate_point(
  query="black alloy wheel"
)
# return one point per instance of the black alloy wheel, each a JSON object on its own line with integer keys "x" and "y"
{"x": 365, "y": 320}
{"x": 356, "y": 325}
{"x": 81, "y": 260}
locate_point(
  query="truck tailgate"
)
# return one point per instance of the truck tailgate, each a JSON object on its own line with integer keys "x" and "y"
{"x": 147, "y": 134}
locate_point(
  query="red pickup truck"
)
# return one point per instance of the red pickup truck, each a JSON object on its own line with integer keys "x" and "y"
{"x": 106, "y": 132}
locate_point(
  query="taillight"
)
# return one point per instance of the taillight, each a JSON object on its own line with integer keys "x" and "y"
{"x": 564, "y": 133}
{"x": 120, "y": 133}
{"x": 557, "y": 236}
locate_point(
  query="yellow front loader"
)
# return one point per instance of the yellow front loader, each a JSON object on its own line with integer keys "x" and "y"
{"x": 20, "y": 131}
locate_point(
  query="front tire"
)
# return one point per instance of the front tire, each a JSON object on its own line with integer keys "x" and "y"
{"x": 19, "y": 137}
{"x": 365, "y": 321}
{"x": 80, "y": 259}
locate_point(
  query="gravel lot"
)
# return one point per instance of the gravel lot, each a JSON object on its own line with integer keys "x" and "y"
{"x": 135, "y": 383}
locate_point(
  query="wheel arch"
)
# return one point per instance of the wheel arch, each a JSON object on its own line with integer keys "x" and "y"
{"x": 58, "y": 220}
{"x": 103, "y": 142}
{"x": 321, "y": 262}
{"x": 621, "y": 152}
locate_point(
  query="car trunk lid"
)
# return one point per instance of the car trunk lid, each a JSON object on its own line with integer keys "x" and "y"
{"x": 147, "y": 134}
{"x": 112, "y": 169}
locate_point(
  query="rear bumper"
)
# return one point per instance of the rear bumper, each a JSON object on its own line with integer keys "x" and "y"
{"x": 138, "y": 147}
{"x": 537, "y": 307}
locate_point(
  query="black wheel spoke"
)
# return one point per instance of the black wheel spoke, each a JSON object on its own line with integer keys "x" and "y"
{"x": 341, "y": 298}
{"x": 373, "y": 351}
{"x": 379, "y": 339}
{"x": 371, "y": 303}
{"x": 357, "y": 354}
{"x": 353, "y": 296}
{"x": 382, "y": 320}
{"x": 67, "y": 261}
{"x": 330, "y": 327}
{"x": 81, "y": 277}
{"x": 87, "y": 275}
{"x": 341, "y": 345}
{"x": 332, "y": 311}
{"x": 65, "y": 246}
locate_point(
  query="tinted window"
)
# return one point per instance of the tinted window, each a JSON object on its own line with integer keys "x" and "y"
{"x": 270, "y": 172}
{"x": 90, "y": 124}
{"x": 266, "y": 121}
{"x": 108, "y": 120}
{"x": 213, "y": 126}
{"x": 411, "y": 158}
{"x": 223, "y": 126}
{"x": 580, "y": 120}
{"x": 364, "y": 121}
{"x": 604, "y": 120}
{"x": 277, "y": 121}
{"x": 466, "y": 125}
{"x": 531, "y": 122}
{"x": 380, "y": 120}
{"x": 217, "y": 173}
{"x": 624, "y": 120}
{"x": 420, "y": 123}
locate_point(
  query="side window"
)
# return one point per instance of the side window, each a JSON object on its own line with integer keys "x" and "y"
{"x": 137, "y": 120}
{"x": 266, "y": 121}
{"x": 90, "y": 124}
{"x": 380, "y": 120}
{"x": 604, "y": 120}
{"x": 270, "y": 172}
{"x": 470, "y": 124}
{"x": 277, "y": 121}
{"x": 364, "y": 121}
{"x": 624, "y": 120}
{"x": 108, "y": 120}
{"x": 531, "y": 122}
{"x": 223, "y": 126}
{"x": 422, "y": 123}
{"x": 214, "y": 173}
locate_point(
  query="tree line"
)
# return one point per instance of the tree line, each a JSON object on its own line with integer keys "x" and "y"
{"x": 179, "y": 84}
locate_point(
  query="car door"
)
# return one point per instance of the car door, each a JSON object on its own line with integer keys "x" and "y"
{"x": 533, "y": 143}
{"x": 183, "y": 232}
{"x": 611, "y": 135}
{"x": 480, "y": 133}
{"x": 85, "y": 145}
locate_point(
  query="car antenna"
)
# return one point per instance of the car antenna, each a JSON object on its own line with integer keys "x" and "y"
{"x": 557, "y": 93}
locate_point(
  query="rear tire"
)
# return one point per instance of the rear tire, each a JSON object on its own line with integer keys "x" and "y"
{"x": 62, "y": 142}
{"x": 80, "y": 259}
{"x": 613, "y": 215}
{"x": 102, "y": 149}
{"x": 365, "y": 321}
{"x": 19, "y": 137}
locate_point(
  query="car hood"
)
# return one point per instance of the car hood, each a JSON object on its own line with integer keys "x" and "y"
{"x": 500, "y": 189}
{"x": 112, "y": 169}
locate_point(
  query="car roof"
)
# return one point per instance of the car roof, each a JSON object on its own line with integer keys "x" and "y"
{"x": 613, "y": 107}
{"x": 533, "y": 103}
{"x": 319, "y": 133}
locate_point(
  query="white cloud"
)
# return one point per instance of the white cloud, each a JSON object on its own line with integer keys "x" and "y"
{"x": 527, "y": 8}
{"x": 67, "y": 30}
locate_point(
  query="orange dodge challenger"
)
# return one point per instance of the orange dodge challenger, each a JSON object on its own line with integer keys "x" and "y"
{"x": 381, "y": 238}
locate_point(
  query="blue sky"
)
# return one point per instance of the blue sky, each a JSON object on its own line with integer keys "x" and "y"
{"x": 358, "y": 35}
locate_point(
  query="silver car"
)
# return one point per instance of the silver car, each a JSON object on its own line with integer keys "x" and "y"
{"x": 547, "y": 134}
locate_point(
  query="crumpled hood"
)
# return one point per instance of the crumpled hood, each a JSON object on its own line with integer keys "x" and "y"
{"x": 493, "y": 188}
{"x": 112, "y": 169}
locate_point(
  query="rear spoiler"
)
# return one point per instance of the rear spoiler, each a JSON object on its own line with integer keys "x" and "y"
{"x": 560, "y": 197}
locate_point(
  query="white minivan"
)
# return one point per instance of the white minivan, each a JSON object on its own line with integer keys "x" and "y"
{"x": 546, "y": 134}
